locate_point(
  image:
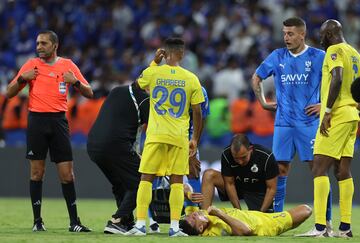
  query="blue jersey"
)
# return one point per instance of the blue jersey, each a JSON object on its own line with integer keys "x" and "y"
{"x": 297, "y": 82}
{"x": 205, "y": 111}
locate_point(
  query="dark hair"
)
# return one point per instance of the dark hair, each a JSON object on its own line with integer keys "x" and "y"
{"x": 294, "y": 21}
{"x": 52, "y": 35}
{"x": 355, "y": 89}
{"x": 174, "y": 43}
{"x": 238, "y": 140}
{"x": 187, "y": 228}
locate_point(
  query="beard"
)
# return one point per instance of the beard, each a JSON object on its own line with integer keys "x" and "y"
{"x": 46, "y": 54}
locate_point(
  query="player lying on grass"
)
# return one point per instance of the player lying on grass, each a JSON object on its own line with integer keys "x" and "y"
{"x": 232, "y": 221}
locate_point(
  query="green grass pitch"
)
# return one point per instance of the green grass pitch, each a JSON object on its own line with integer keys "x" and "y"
{"x": 16, "y": 224}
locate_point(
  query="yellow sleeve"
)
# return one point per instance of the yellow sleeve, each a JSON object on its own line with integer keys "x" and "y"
{"x": 145, "y": 77}
{"x": 153, "y": 63}
{"x": 197, "y": 96}
{"x": 335, "y": 57}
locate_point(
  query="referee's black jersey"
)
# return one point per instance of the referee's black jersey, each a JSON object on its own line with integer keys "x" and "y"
{"x": 251, "y": 177}
{"x": 117, "y": 122}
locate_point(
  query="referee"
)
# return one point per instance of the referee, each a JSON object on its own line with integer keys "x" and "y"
{"x": 49, "y": 78}
{"x": 248, "y": 171}
{"x": 111, "y": 146}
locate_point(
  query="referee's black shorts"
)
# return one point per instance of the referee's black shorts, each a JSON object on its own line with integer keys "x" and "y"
{"x": 48, "y": 131}
{"x": 253, "y": 200}
{"x": 119, "y": 165}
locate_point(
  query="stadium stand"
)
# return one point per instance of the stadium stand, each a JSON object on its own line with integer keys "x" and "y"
{"x": 111, "y": 41}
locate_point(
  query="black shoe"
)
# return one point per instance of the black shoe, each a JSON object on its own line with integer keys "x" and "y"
{"x": 154, "y": 228}
{"x": 128, "y": 225}
{"x": 115, "y": 228}
{"x": 38, "y": 225}
{"x": 78, "y": 227}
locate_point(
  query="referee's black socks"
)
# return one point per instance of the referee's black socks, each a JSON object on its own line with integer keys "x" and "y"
{"x": 36, "y": 197}
{"x": 70, "y": 198}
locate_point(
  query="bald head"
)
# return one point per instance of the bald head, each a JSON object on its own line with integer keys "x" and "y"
{"x": 331, "y": 33}
{"x": 332, "y": 25}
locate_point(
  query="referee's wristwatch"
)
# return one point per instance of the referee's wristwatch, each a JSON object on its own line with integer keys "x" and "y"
{"x": 76, "y": 84}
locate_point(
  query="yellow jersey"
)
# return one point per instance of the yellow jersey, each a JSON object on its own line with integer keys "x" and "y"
{"x": 172, "y": 90}
{"x": 345, "y": 56}
{"x": 261, "y": 224}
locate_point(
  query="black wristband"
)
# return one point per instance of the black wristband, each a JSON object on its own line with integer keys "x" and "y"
{"x": 76, "y": 84}
{"x": 21, "y": 80}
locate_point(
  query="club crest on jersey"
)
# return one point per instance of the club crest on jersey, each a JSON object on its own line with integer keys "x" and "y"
{"x": 254, "y": 168}
{"x": 308, "y": 66}
{"x": 333, "y": 56}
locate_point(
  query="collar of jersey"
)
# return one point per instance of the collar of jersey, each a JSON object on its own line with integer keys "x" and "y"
{"x": 300, "y": 53}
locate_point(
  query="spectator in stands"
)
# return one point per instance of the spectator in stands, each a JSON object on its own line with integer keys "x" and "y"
{"x": 213, "y": 30}
{"x": 218, "y": 124}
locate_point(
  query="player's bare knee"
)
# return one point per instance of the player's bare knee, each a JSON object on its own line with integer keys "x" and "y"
{"x": 307, "y": 210}
{"x": 37, "y": 177}
{"x": 37, "y": 174}
{"x": 318, "y": 171}
{"x": 342, "y": 175}
{"x": 284, "y": 169}
{"x": 209, "y": 175}
{"x": 67, "y": 178}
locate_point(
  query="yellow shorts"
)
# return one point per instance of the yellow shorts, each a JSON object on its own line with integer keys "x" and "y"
{"x": 339, "y": 143}
{"x": 274, "y": 224}
{"x": 164, "y": 159}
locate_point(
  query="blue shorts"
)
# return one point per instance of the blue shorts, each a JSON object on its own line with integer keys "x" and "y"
{"x": 288, "y": 140}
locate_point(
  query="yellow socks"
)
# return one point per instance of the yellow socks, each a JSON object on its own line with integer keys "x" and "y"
{"x": 321, "y": 192}
{"x": 346, "y": 191}
{"x": 176, "y": 200}
{"x": 143, "y": 199}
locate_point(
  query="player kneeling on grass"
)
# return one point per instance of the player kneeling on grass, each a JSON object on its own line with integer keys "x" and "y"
{"x": 232, "y": 221}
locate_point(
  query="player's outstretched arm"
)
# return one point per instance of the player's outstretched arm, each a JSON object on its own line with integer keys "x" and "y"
{"x": 237, "y": 226}
{"x": 259, "y": 93}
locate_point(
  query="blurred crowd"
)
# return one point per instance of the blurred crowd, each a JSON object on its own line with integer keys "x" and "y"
{"x": 113, "y": 41}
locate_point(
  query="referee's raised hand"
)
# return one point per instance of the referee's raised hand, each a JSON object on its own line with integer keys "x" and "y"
{"x": 69, "y": 77}
{"x": 159, "y": 55}
{"x": 29, "y": 75}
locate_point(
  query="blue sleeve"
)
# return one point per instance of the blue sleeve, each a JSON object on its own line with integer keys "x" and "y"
{"x": 205, "y": 108}
{"x": 266, "y": 68}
